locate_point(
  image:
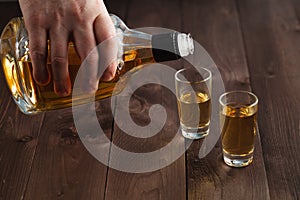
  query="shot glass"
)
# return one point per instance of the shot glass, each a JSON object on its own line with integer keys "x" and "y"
{"x": 238, "y": 113}
{"x": 193, "y": 92}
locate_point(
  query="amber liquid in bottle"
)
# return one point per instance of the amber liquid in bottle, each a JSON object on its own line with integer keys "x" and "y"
{"x": 138, "y": 49}
{"x": 44, "y": 98}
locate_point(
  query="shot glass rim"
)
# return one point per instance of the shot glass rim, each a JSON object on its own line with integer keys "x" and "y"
{"x": 239, "y": 91}
{"x": 201, "y": 81}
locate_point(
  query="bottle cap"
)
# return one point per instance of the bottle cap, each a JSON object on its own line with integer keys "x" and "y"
{"x": 171, "y": 46}
{"x": 185, "y": 44}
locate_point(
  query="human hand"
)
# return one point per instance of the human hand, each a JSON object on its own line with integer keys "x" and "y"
{"x": 85, "y": 22}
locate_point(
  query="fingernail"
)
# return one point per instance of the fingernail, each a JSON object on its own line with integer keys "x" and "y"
{"x": 109, "y": 73}
{"x": 42, "y": 79}
{"x": 107, "y": 76}
{"x": 62, "y": 90}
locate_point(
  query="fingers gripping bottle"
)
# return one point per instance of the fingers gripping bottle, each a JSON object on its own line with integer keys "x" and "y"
{"x": 135, "y": 49}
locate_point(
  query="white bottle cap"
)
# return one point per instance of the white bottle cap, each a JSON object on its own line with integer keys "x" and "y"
{"x": 185, "y": 44}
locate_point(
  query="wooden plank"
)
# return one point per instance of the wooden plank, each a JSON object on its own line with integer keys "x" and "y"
{"x": 215, "y": 25}
{"x": 18, "y": 132}
{"x": 296, "y": 5}
{"x": 18, "y": 144}
{"x": 272, "y": 43}
{"x": 62, "y": 167}
{"x": 18, "y": 141}
{"x": 169, "y": 182}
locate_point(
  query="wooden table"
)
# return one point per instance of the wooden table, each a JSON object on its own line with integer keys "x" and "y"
{"x": 255, "y": 43}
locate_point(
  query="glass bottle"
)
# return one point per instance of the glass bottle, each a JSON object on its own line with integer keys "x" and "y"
{"x": 137, "y": 49}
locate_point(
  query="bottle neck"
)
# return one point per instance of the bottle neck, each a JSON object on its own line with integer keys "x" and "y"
{"x": 165, "y": 47}
{"x": 171, "y": 46}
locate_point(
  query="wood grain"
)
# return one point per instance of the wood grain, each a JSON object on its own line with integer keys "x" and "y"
{"x": 215, "y": 25}
{"x": 169, "y": 182}
{"x": 18, "y": 141}
{"x": 18, "y": 132}
{"x": 63, "y": 168}
{"x": 273, "y": 47}
{"x": 256, "y": 46}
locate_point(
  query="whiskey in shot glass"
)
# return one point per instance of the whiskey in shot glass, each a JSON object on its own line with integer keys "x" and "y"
{"x": 238, "y": 119}
{"x": 193, "y": 89}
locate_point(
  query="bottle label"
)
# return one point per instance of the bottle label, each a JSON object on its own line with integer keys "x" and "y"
{"x": 165, "y": 47}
